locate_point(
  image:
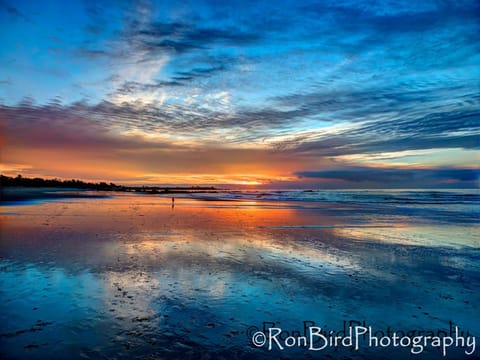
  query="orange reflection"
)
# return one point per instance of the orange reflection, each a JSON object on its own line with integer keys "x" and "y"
{"x": 142, "y": 225}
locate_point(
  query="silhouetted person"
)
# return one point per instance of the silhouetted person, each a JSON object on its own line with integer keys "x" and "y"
{"x": 173, "y": 202}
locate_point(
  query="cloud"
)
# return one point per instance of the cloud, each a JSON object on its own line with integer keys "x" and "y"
{"x": 371, "y": 121}
{"x": 154, "y": 38}
{"x": 184, "y": 121}
{"x": 144, "y": 46}
{"x": 387, "y": 177}
{"x": 384, "y": 120}
{"x": 133, "y": 87}
{"x": 49, "y": 141}
{"x": 199, "y": 72}
{"x": 182, "y": 38}
{"x": 13, "y": 11}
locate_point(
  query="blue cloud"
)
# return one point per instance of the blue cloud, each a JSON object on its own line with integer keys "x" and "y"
{"x": 386, "y": 177}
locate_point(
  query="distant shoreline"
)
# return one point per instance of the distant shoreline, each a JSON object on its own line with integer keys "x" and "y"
{"x": 19, "y": 181}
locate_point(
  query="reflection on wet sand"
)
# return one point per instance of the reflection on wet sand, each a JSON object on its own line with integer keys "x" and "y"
{"x": 129, "y": 277}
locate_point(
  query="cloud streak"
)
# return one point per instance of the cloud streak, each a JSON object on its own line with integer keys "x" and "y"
{"x": 398, "y": 177}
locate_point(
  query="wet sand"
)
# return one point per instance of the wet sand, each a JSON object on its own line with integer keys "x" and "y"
{"x": 131, "y": 277}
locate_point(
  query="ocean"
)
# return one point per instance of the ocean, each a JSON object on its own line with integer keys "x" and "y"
{"x": 241, "y": 274}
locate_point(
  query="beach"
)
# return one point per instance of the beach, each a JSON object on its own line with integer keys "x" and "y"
{"x": 125, "y": 275}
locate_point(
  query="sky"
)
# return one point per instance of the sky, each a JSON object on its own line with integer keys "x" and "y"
{"x": 284, "y": 94}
